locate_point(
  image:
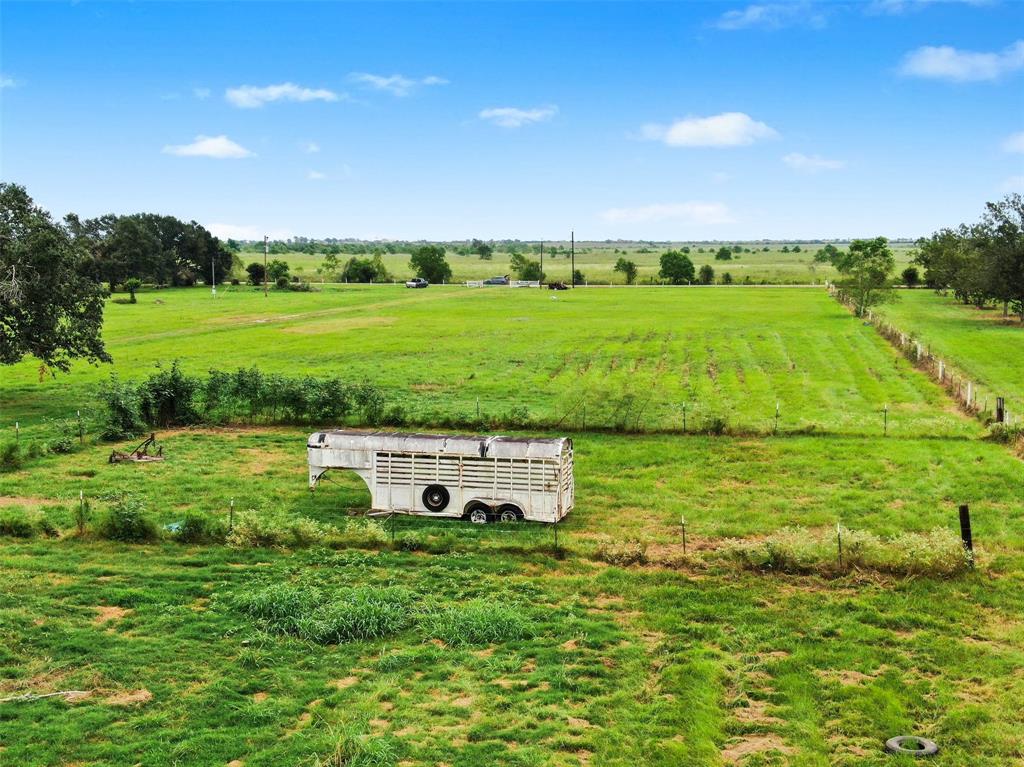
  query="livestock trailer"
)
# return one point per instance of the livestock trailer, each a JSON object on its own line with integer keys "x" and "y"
{"x": 481, "y": 479}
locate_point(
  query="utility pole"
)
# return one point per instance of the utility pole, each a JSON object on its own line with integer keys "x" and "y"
{"x": 542, "y": 260}
{"x": 266, "y": 249}
{"x": 213, "y": 274}
{"x": 572, "y": 253}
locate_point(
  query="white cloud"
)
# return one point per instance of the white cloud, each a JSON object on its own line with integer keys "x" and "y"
{"x": 947, "y": 63}
{"x": 512, "y": 117}
{"x": 397, "y": 85}
{"x": 315, "y": 175}
{"x": 726, "y": 129}
{"x": 811, "y": 163}
{"x": 772, "y": 16}
{"x": 219, "y": 147}
{"x": 251, "y": 96}
{"x": 7, "y": 82}
{"x": 201, "y": 93}
{"x": 896, "y": 7}
{"x": 310, "y": 147}
{"x": 1012, "y": 184}
{"x": 687, "y": 212}
{"x": 1014, "y": 143}
{"x": 247, "y": 232}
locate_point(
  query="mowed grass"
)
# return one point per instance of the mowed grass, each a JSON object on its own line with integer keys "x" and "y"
{"x": 614, "y": 667}
{"x": 580, "y": 359}
{"x": 980, "y": 343}
{"x": 597, "y": 261}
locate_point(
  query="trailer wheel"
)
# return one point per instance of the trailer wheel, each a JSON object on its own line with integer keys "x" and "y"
{"x": 435, "y": 498}
{"x": 509, "y": 513}
{"x": 479, "y": 515}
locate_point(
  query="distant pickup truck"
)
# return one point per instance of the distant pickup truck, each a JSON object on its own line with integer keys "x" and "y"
{"x": 417, "y": 282}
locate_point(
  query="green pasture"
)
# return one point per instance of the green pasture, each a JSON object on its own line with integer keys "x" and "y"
{"x": 596, "y": 262}
{"x": 978, "y": 343}
{"x": 595, "y": 357}
{"x": 682, "y": 661}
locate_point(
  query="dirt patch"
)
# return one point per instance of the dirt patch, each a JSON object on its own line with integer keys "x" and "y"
{"x": 849, "y": 677}
{"x": 129, "y": 697}
{"x": 572, "y": 644}
{"x": 464, "y": 701}
{"x": 348, "y": 681}
{"x": 578, "y": 723}
{"x": 25, "y": 500}
{"x": 486, "y": 653}
{"x": 753, "y": 744}
{"x": 755, "y": 712}
{"x": 259, "y": 697}
{"x": 108, "y": 613}
{"x": 236, "y": 763}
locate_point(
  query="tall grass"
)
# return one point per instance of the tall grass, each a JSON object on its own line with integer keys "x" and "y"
{"x": 478, "y": 622}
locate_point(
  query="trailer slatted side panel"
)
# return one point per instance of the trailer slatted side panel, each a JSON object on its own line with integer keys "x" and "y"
{"x": 494, "y": 474}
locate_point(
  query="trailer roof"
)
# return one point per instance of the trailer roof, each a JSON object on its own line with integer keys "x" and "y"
{"x": 455, "y": 444}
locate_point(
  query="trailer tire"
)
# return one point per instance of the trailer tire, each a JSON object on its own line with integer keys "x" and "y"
{"x": 478, "y": 513}
{"x": 509, "y": 512}
{"x": 436, "y": 498}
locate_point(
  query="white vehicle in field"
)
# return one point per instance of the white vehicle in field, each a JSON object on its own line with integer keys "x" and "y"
{"x": 481, "y": 479}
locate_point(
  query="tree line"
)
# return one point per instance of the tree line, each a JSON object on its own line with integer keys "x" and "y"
{"x": 980, "y": 263}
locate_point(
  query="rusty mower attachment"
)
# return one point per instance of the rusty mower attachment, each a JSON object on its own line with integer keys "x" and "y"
{"x": 141, "y": 453}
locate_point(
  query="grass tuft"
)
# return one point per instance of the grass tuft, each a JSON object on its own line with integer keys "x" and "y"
{"x": 479, "y": 622}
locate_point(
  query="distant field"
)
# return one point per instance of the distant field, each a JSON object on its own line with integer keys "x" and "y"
{"x": 596, "y": 262}
{"x": 978, "y": 342}
{"x": 594, "y": 358}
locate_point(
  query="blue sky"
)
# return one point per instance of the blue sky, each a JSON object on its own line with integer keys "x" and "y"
{"x": 620, "y": 120}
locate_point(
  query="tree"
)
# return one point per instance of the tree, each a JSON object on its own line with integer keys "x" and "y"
{"x": 277, "y": 269}
{"x": 330, "y": 265}
{"x": 482, "y": 249}
{"x": 910, "y": 277}
{"x": 706, "y": 275}
{"x": 724, "y": 254}
{"x": 1003, "y": 225}
{"x": 525, "y": 268}
{"x": 256, "y": 273}
{"x": 676, "y": 267}
{"x": 726, "y": 278}
{"x": 578, "y": 277}
{"x": 427, "y": 261}
{"x": 49, "y": 306}
{"x": 865, "y": 270}
{"x": 796, "y": 249}
{"x": 628, "y": 269}
{"x": 365, "y": 270}
{"x": 827, "y": 254}
{"x": 131, "y": 285}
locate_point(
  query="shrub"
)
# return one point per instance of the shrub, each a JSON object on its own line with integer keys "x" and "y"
{"x": 477, "y": 622}
{"x": 360, "y": 531}
{"x": 126, "y": 521}
{"x": 622, "y": 553}
{"x": 16, "y": 523}
{"x": 167, "y": 397}
{"x": 12, "y": 457}
{"x": 121, "y": 418}
{"x": 200, "y": 528}
{"x": 277, "y": 529}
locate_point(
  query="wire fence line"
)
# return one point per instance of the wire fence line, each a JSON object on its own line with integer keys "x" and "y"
{"x": 971, "y": 395}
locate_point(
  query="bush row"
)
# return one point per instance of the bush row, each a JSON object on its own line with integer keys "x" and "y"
{"x": 170, "y": 397}
{"x": 368, "y": 613}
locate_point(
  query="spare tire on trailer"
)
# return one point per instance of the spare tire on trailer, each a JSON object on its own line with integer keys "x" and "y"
{"x": 436, "y": 498}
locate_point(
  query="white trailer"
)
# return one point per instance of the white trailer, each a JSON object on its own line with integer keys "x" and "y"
{"x": 481, "y": 479}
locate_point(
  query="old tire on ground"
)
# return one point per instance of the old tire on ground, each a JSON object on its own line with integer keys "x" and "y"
{"x": 436, "y": 498}
{"x": 911, "y": 745}
{"x": 509, "y": 513}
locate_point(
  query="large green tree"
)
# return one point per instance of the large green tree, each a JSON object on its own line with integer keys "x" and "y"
{"x": 676, "y": 267}
{"x": 865, "y": 272}
{"x": 628, "y": 269}
{"x": 427, "y": 261}
{"x": 50, "y": 307}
